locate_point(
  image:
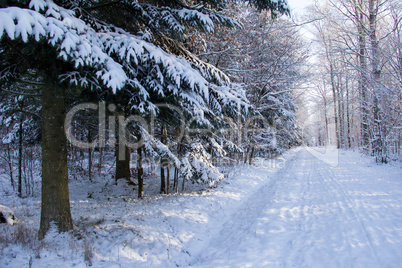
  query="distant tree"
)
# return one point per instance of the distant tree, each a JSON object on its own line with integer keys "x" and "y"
{"x": 20, "y": 115}
{"x": 267, "y": 56}
{"x": 356, "y": 36}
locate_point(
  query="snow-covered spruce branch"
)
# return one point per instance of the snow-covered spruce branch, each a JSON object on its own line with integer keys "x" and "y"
{"x": 83, "y": 46}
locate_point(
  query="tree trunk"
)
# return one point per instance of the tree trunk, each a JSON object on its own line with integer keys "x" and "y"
{"x": 328, "y": 48}
{"x": 327, "y": 140}
{"x": 182, "y": 186}
{"x": 55, "y": 194}
{"x": 140, "y": 172}
{"x": 89, "y": 155}
{"x": 163, "y": 181}
{"x": 379, "y": 141}
{"x": 340, "y": 112}
{"x": 100, "y": 162}
{"x": 348, "y": 114}
{"x": 176, "y": 180}
{"x": 122, "y": 152}
{"x": 167, "y": 178}
{"x": 333, "y": 86}
{"x": 122, "y": 163}
{"x": 176, "y": 170}
{"x": 20, "y": 158}
{"x": 10, "y": 165}
{"x": 363, "y": 81}
{"x": 245, "y": 156}
{"x": 250, "y": 160}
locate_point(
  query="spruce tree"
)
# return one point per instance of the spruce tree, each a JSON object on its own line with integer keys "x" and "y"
{"x": 108, "y": 45}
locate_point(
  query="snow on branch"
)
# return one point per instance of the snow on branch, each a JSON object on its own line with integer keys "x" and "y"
{"x": 75, "y": 41}
{"x": 155, "y": 147}
{"x": 196, "y": 166}
{"x": 85, "y": 47}
{"x": 174, "y": 20}
{"x": 230, "y": 101}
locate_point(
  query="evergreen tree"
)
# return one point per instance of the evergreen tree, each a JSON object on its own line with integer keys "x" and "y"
{"x": 116, "y": 45}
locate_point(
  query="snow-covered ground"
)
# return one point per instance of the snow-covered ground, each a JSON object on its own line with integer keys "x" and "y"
{"x": 309, "y": 208}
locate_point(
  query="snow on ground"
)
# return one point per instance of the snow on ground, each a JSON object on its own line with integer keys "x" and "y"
{"x": 310, "y": 208}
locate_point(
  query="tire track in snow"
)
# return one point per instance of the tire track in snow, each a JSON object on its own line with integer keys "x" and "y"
{"x": 377, "y": 200}
{"x": 296, "y": 253}
{"x": 241, "y": 223}
{"x": 333, "y": 217}
{"x": 237, "y": 227}
{"x": 351, "y": 206}
{"x": 314, "y": 219}
{"x": 302, "y": 217}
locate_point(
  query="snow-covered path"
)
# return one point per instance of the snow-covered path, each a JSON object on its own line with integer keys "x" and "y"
{"x": 307, "y": 208}
{"x": 311, "y": 214}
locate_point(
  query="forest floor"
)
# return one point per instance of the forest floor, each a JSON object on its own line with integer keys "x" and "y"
{"x": 309, "y": 208}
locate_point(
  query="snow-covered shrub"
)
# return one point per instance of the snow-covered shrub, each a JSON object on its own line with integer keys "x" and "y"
{"x": 197, "y": 167}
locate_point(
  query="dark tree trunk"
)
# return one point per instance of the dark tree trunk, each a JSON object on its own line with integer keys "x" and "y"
{"x": 340, "y": 113}
{"x": 10, "y": 165}
{"x": 140, "y": 172}
{"x": 176, "y": 170}
{"x": 122, "y": 163}
{"x": 176, "y": 180}
{"x": 327, "y": 141}
{"x": 89, "y": 155}
{"x": 163, "y": 181}
{"x": 100, "y": 162}
{"x": 245, "y": 156}
{"x": 20, "y": 158}
{"x": 182, "y": 186}
{"x": 122, "y": 152}
{"x": 348, "y": 114}
{"x": 55, "y": 195}
{"x": 250, "y": 160}
{"x": 167, "y": 178}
